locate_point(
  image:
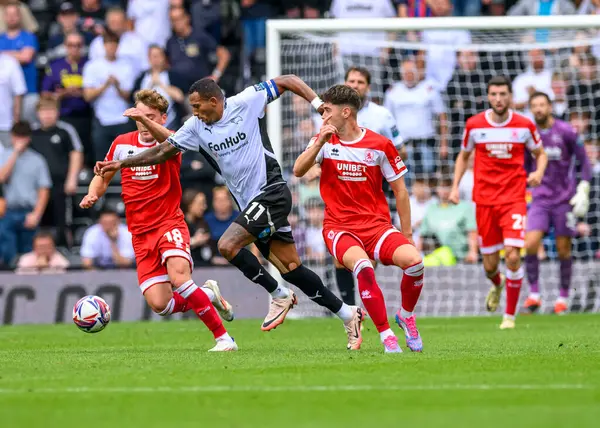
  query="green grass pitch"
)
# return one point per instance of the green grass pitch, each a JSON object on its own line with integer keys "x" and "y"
{"x": 546, "y": 373}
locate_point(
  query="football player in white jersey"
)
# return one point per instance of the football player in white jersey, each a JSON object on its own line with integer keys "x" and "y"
{"x": 378, "y": 119}
{"x": 231, "y": 134}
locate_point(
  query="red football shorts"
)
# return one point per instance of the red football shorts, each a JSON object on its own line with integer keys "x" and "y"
{"x": 153, "y": 248}
{"x": 379, "y": 243}
{"x": 501, "y": 225}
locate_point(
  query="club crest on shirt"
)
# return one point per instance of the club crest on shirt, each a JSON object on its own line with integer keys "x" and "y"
{"x": 236, "y": 120}
{"x": 398, "y": 161}
{"x": 514, "y": 135}
{"x": 331, "y": 234}
{"x": 370, "y": 157}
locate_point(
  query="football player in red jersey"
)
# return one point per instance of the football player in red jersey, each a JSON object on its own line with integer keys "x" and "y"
{"x": 160, "y": 236}
{"x": 499, "y": 136}
{"x": 357, "y": 226}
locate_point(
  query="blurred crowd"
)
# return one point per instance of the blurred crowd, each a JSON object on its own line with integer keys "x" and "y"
{"x": 68, "y": 70}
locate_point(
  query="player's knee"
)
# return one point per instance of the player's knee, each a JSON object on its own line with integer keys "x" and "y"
{"x": 407, "y": 256}
{"x": 158, "y": 304}
{"x": 564, "y": 253}
{"x": 178, "y": 270}
{"x": 513, "y": 258}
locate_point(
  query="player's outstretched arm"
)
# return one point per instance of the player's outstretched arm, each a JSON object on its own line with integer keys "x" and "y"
{"x": 403, "y": 206}
{"x": 159, "y": 132}
{"x": 462, "y": 162}
{"x": 292, "y": 83}
{"x": 154, "y": 156}
{"x": 96, "y": 189}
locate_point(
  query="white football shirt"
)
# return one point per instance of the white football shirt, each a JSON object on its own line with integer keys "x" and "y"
{"x": 376, "y": 118}
{"x": 237, "y": 146}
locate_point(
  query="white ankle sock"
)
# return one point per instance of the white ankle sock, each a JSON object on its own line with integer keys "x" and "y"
{"x": 535, "y": 296}
{"x": 225, "y": 336}
{"x": 345, "y": 313}
{"x": 405, "y": 314}
{"x": 209, "y": 293}
{"x": 281, "y": 293}
{"x": 385, "y": 334}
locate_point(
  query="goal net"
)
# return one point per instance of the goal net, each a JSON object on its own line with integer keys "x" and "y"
{"x": 456, "y": 59}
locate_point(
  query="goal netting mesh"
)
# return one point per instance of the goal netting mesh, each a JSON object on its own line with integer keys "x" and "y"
{"x": 458, "y": 64}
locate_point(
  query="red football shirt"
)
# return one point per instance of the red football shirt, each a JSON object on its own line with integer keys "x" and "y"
{"x": 151, "y": 194}
{"x": 351, "y": 180}
{"x": 499, "y": 172}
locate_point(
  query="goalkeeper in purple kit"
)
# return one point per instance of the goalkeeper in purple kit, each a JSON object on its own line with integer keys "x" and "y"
{"x": 558, "y": 201}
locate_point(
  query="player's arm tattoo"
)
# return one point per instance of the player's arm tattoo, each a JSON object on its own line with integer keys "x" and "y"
{"x": 153, "y": 156}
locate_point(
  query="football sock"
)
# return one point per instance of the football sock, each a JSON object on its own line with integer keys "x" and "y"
{"x": 371, "y": 294}
{"x": 514, "y": 280}
{"x": 385, "y": 334}
{"x": 203, "y": 307}
{"x": 532, "y": 266}
{"x": 225, "y": 336}
{"x": 345, "y": 313}
{"x": 209, "y": 293}
{"x": 411, "y": 286}
{"x": 247, "y": 262}
{"x": 566, "y": 270}
{"x": 311, "y": 285}
{"x": 495, "y": 278}
{"x": 345, "y": 283}
{"x": 176, "y": 304}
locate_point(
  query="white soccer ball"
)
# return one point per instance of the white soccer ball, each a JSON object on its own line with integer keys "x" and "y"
{"x": 91, "y": 314}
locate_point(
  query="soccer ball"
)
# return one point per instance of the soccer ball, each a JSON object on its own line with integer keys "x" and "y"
{"x": 91, "y": 314}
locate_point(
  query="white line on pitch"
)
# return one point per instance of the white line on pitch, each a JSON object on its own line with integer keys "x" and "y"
{"x": 290, "y": 388}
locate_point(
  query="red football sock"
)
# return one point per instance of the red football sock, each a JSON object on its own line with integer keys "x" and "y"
{"x": 202, "y": 306}
{"x": 179, "y": 303}
{"x": 371, "y": 294}
{"x": 495, "y": 278}
{"x": 411, "y": 286}
{"x": 514, "y": 280}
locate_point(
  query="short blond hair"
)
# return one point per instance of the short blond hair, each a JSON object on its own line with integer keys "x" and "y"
{"x": 47, "y": 102}
{"x": 152, "y": 99}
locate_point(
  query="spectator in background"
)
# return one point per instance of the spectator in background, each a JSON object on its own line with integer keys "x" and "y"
{"x": 308, "y": 9}
{"x": 190, "y": 50}
{"x": 316, "y": 250}
{"x": 559, "y": 88}
{"x": 201, "y": 246}
{"x": 220, "y": 218}
{"x": 418, "y": 108}
{"x": 542, "y": 8}
{"x": 440, "y": 57}
{"x": 537, "y": 78}
{"x": 197, "y": 174}
{"x": 132, "y": 48}
{"x": 466, "y": 95}
{"x": 21, "y": 45}
{"x": 107, "y": 244}
{"x": 420, "y": 200}
{"x": 26, "y": 185}
{"x": 67, "y": 22}
{"x": 44, "y": 258}
{"x": 413, "y": 8}
{"x": 12, "y": 89}
{"x": 254, "y": 15}
{"x": 465, "y": 188}
{"x": 60, "y": 145}
{"x": 452, "y": 225}
{"x": 64, "y": 81}
{"x": 107, "y": 84}
{"x": 150, "y": 20}
{"x": 206, "y": 15}
{"x": 164, "y": 81}
{"x": 360, "y": 48}
{"x": 91, "y": 16}
{"x": 469, "y": 7}
{"x": 583, "y": 97}
{"x": 29, "y": 22}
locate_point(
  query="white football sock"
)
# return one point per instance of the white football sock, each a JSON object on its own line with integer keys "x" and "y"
{"x": 405, "y": 314}
{"x": 385, "y": 334}
{"x": 535, "y": 296}
{"x": 281, "y": 292}
{"x": 345, "y": 313}
{"x": 209, "y": 293}
{"x": 225, "y": 336}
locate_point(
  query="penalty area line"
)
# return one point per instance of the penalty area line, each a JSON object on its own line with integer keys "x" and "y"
{"x": 290, "y": 388}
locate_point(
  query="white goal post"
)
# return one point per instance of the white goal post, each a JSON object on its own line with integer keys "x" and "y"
{"x": 308, "y": 48}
